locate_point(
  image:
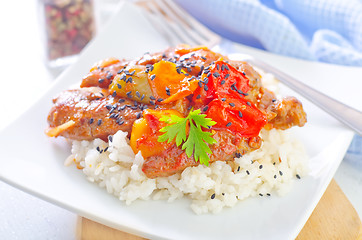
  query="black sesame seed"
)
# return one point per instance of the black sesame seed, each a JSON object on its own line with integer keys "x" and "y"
{"x": 109, "y": 76}
{"x": 138, "y": 115}
{"x": 274, "y": 100}
{"x": 237, "y": 155}
{"x": 110, "y": 138}
{"x": 216, "y": 74}
{"x": 129, "y": 80}
{"x": 204, "y": 58}
{"x": 121, "y": 107}
{"x": 233, "y": 87}
{"x": 238, "y": 168}
{"x": 248, "y": 103}
{"x": 200, "y": 84}
{"x": 189, "y": 108}
{"x": 223, "y": 99}
{"x": 198, "y": 96}
{"x": 114, "y": 94}
{"x": 123, "y": 77}
{"x": 222, "y": 82}
{"x": 101, "y": 80}
{"x": 206, "y": 88}
{"x": 138, "y": 94}
{"x": 247, "y": 172}
{"x": 121, "y": 100}
{"x": 209, "y": 74}
{"x": 213, "y": 196}
{"x": 152, "y": 98}
{"x": 223, "y": 194}
{"x": 120, "y": 71}
{"x": 205, "y": 108}
{"x": 160, "y": 100}
{"x": 142, "y": 97}
{"x": 91, "y": 121}
{"x": 98, "y": 149}
{"x": 120, "y": 122}
{"x": 268, "y": 194}
{"x": 274, "y": 163}
{"x": 232, "y": 104}
{"x": 280, "y": 173}
{"x": 105, "y": 149}
{"x": 152, "y": 102}
{"x": 109, "y": 107}
{"x": 260, "y": 194}
{"x": 261, "y": 166}
{"x": 275, "y": 176}
{"x": 119, "y": 86}
{"x": 218, "y": 67}
{"x": 128, "y": 93}
{"x": 240, "y": 114}
{"x": 227, "y": 67}
{"x": 202, "y": 68}
{"x": 153, "y": 76}
{"x": 228, "y": 124}
{"x": 99, "y": 122}
{"x": 227, "y": 75}
{"x": 297, "y": 175}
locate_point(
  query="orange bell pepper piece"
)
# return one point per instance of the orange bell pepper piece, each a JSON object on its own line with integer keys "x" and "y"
{"x": 169, "y": 84}
{"x": 145, "y": 132}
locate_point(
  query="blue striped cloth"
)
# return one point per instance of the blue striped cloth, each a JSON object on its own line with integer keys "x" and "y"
{"x": 320, "y": 30}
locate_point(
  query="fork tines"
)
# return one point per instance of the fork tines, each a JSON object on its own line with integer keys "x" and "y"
{"x": 176, "y": 25}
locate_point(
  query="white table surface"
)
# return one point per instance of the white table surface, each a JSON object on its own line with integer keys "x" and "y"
{"x": 24, "y": 77}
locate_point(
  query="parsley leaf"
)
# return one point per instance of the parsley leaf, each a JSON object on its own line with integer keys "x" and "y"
{"x": 196, "y": 142}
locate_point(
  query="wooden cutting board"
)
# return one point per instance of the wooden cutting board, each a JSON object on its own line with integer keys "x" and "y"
{"x": 333, "y": 218}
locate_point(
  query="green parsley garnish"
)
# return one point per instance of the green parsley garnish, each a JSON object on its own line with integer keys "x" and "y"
{"x": 197, "y": 139}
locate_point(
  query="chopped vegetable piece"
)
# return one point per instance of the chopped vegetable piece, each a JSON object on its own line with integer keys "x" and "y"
{"x": 217, "y": 87}
{"x": 196, "y": 141}
{"x": 241, "y": 118}
{"x": 136, "y": 85}
{"x": 166, "y": 76}
{"x": 145, "y": 132}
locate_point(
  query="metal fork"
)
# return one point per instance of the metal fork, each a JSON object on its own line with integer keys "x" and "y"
{"x": 177, "y": 26}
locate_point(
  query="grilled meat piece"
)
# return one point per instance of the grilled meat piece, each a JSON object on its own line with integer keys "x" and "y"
{"x": 95, "y": 114}
{"x": 175, "y": 160}
{"x": 288, "y": 113}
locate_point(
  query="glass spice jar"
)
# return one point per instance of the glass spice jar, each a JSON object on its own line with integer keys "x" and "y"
{"x": 69, "y": 25}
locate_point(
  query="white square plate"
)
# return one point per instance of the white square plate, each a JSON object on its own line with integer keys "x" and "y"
{"x": 34, "y": 163}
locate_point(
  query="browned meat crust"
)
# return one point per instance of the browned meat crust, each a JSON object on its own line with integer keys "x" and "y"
{"x": 96, "y": 114}
{"x": 288, "y": 113}
{"x": 175, "y": 160}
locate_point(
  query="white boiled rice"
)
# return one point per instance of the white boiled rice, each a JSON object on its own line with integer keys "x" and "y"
{"x": 270, "y": 169}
